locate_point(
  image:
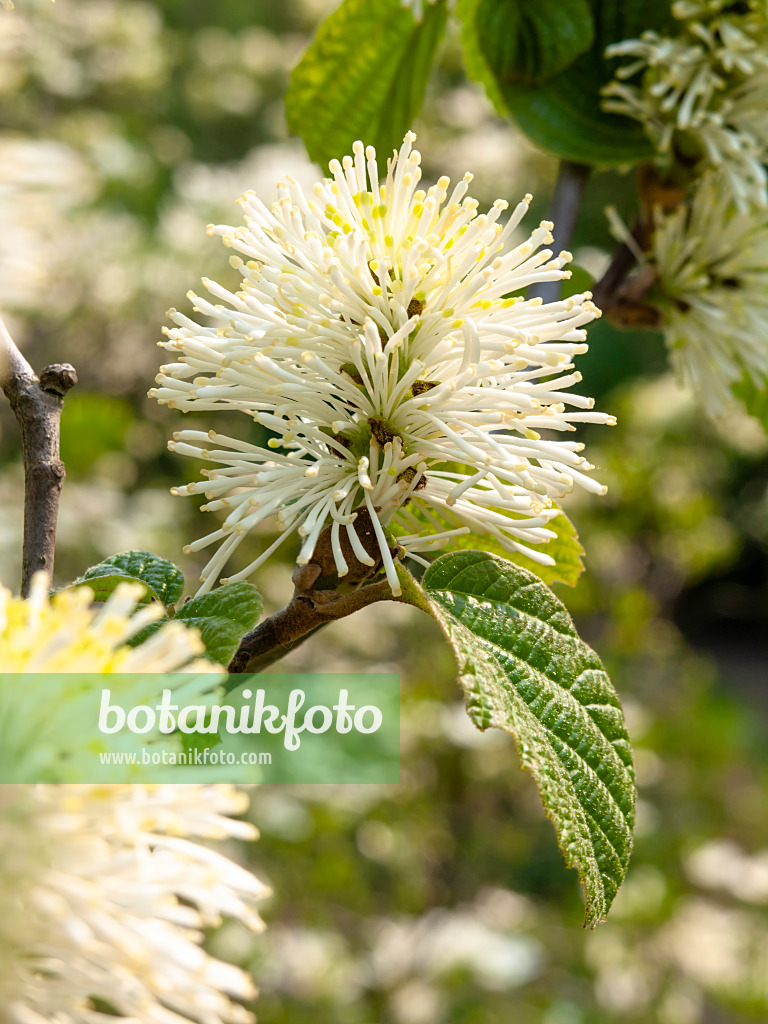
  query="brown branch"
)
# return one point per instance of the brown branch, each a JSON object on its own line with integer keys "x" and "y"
{"x": 621, "y": 293}
{"x": 36, "y": 404}
{"x": 319, "y": 597}
{"x": 564, "y": 209}
{"x": 621, "y": 264}
{"x": 281, "y": 632}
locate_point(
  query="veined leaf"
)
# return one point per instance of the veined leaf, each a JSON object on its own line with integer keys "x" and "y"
{"x": 563, "y": 114}
{"x": 363, "y": 77}
{"x": 165, "y": 579}
{"x": 524, "y": 669}
{"x": 532, "y": 40}
{"x": 104, "y": 580}
{"x": 222, "y": 617}
{"x": 162, "y": 580}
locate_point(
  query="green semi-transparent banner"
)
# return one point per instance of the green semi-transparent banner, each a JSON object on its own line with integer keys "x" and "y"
{"x": 195, "y": 727}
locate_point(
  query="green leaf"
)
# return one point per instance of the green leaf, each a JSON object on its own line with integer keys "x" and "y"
{"x": 162, "y": 576}
{"x": 474, "y": 61}
{"x": 363, "y": 77}
{"x": 222, "y": 617}
{"x": 755, "y": 398}
{"x": 564, "y": 547}
{"x": 532, "y": 40}
{"x": 162, "y": 580}
{"x": 524, "y": 669}
{"x": 563, "y": 114}
{"x": 104, "y": 579}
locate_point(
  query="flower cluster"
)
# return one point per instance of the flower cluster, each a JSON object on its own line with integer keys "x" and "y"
{"x": 703, "y": 93}
{"x": 712, "y": 266}
{"x": 67, "y": 634}
{"x": 105, "y": 892}
{"x": 381, "y": 335}
{"x": 49, "y": 725}
{"x": 104, "y": 889}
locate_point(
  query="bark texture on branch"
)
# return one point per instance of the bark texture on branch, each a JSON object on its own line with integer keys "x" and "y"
{"x": 36, "y": 403}
{"x": 317, "y": 598}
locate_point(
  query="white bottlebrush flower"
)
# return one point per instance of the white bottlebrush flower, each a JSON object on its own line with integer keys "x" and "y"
{"x": 703, "y": 93}
{"x": 104, "y": 892}
{"x": 712, "y": 265}
{"x": 380, "y": 333}
{"x": 49, "y": 724}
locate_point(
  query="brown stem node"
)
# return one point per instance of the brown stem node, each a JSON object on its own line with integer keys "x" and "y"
{"x": 36, "y": 404}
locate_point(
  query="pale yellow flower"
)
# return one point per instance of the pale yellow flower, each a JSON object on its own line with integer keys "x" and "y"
{"x": 63, "y": 646}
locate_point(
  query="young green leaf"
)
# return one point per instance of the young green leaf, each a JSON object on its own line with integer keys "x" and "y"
{"x": 363, "y": 77}
{"x": 222, "y": 617}
{"x": 532, "y": 40}
{"x": 524, "y": 669}
{"x": 104, "y": 579}
{"x": 566, "y": 550}
{"x": 563, "y": 113}
{"x": 162, "y": 580}
{"x": 162, "y": 576}
{"x": 564, "y": 546}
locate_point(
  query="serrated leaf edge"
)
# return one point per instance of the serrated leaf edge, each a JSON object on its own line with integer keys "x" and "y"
{"x": 597, "y": 904}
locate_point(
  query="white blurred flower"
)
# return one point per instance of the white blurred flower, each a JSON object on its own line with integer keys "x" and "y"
{"x": 722, "y": 864}
{"x": 380, "y": 333}
{"x": 703, "y": 94}
{"x": 104, "y": 893}
{"x": 417, "y": 6}
{"x": 49, "y": 725}
{"x": 66, "y": 634}
{"x": 712, "y": 265}
{"x": 41, "y": 184}
{"x": 8, "y": 4}
{"x": 442, "y": 941}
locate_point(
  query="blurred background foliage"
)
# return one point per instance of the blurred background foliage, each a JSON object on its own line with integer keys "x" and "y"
{"x": 125, "y": 127}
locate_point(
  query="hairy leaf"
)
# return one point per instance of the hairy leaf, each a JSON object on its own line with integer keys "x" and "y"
{"x": 363, "y": 77}
{"x": 164, "y": 578}
{"x": 532, "y": 40}
{"x": 524, "y": 669}
{"x": 222, "y": 617}
{"x": 104, "y": 579}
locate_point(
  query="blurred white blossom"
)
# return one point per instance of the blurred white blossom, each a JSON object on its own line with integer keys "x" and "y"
{"x": 104, "y": 895}
{"x": 712, "y": 266}
{"x": 67, "y": 634}
{"x": 723, "y": 864}
{"x": 64, "y": 646}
